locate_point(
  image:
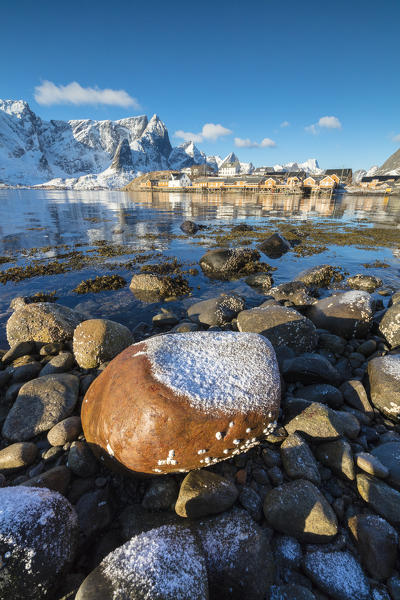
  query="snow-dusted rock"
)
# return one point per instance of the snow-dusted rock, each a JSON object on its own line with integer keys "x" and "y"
{"x": 389, "y": 327}
{"x": 204, "y": 396}
{"x": 38, "y": 534}
{"x": 384, "y": 380}
{"x": 347, "y": 314}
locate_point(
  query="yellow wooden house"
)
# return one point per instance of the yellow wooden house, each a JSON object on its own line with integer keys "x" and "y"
{"x": 327, "y": 182}
{"x": 270, "y": 183}
{"x": 310, "y": 182}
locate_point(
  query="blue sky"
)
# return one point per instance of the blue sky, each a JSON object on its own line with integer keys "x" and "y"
{"x": 329, "y": 72}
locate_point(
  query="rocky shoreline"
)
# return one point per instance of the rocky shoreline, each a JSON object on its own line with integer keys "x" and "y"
{"x": 305, "y": 508}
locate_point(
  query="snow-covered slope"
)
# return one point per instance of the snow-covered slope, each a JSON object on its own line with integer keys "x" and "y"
{"x": 83, "y": 152}
{"x": 390, "y": 167}
{"x": 309, "y": 166}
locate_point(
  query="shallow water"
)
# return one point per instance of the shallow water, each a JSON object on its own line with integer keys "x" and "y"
{"x": 148, "y": 221}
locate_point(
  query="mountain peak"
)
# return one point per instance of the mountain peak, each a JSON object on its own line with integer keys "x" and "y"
{"x": 18, "y": 108}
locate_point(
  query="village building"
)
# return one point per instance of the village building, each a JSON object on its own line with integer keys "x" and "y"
{"x": 229, "y": 169}
{"x": 179, "y": 180}
{"x": 263, "y": 171}
{"x": 340, "y": 175}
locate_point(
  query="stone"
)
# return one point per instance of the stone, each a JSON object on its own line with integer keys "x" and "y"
{"x": 383, "y": 498}
{"x": 384, "y": 382}
{"x": 94, "y": 512}
{"x": 288, "y": 553}
{"x": 377, "y": 543}
{"x": 18, "y": 350}
{"x": 238, "y": 556}
{"x": 21, "y": 454}
{"x": 135, "y": 519}
{"x": 227, "y": 261}
{"x": 38, "y": 535}
{"x": 99, "y": 340}
{"x": 42, "y": 322}
{"x": 61, "y": 363}
{"x": 56, "y": 479}
{"x": 161, "y": 494}
{"x": 347, "y": 314}
{"x": 274, "y": 246}
{"x": 310, "y": 368}
{"x": 298, "y": 460}
{"x": 333, "y": 343}
{"x": 318, "y": 276}
{"x": 165, "y": 563}
{"x": 389, "y": 327}
{"x": 321, "y": 392}
{"x": 251, "y": 502}
{"x": 203, "y": 396}
{"x": 25, "y": 372}
{"x": 372, "y": 465}
{"x": 290, "y": 591}
{"x": 299, "y": 509}
{"x": 355, "y": 395}
{"x": 283, "y": 326}
{"x": 260, "y": 280}
{"x": 65, "y": 431}
{"x": 151, "y": 288}
{"x": 204, "y": 493}
{"x": 337, "y": 455}
{"x": 51, "y": 349}
{"x": 337, "y": 574}
{"x": 295, "y": 292}
{"x": 216, "y": 311}
{"x": 41, "y": 404}
{"x": 367, "y": 348}
{"x": 367, "y": 283}
{"x": 317, "y": 421}
{"x": 189, "y": 227}
{"x": 81, "y": 460}
{"x": 165, "y": 318}
{"x": 388, "y": 455}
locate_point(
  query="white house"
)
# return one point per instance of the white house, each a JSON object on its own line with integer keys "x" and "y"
{"x": 229, "y": 169}
{"x": 179, "y": 180}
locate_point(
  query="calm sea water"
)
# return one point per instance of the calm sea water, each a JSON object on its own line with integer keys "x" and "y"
{"x": 32, "y": 219}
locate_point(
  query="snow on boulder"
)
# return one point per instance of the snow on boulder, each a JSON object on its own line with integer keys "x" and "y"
{"x": 179, "y": 402}
{"x": 164, "y": 563}
{"x": 384, "y": 381}
{"x": 347, "y": 314}
{"x": 38, "y": 535}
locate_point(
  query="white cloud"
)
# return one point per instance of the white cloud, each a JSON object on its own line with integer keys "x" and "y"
{"x": 324, "y": 123}
{"x": 396, "y": 138}
{"x": 210, "y": 132}
{"x": 247, "y": 143}
{"x": 285, "y": 124}
{"x": 49, "y": 93}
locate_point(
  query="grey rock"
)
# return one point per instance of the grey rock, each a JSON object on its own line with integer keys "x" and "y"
{"x": 317, "y": 421}
{"x": 251, "y": 502}
{"x": 25, "y": 372}
{"x": 41, "y": 404}
{"x": 56, "y": 479}
{"x": 368, "y": 283}
{"x": 389, "y": 326}
{"x": 165, "y": 317}
{"x": 295, "y": 292}
{"x": 17, "y": 455}
{"x": 226, "y": 261}
{"x": 310, "y": 368}
{"x": 18, "y": 350}
{"x": 332, "y": 342}
{"x": 65, "y": 431}
{"x": 290, "y": 591}
{"x": 372, "y": 465}
{"x": 204, "y": 493}
{"x": 321, "y": 392}
{"x": 319, "y": 276}
{"x": 216, "y": 311}
{"x": 135, "y": 519}
{"x": 61, "y": 363}
{"x": 161, "y": 494}
{"x": 274, "y": 246}
{"x": 299, "y": 509}
{"x": 288, "y": 553}
{"x": 260, "y": 280}
{"x": 94, "y": 512}
{"x": 281, "y": 325}
{"x": 347, "y": 314}
{"x": 389, "y": 455}
{"x": 298, "y": 460}
{"x": 384, "y": 381}
{"x": 383, "y": 498}
{"x": 81, "y": 460}
{"x": 355, "y": 395}
{"x": 337, "y": 455}
{"x": 99, "y": 340}
{"x": 189, "y": 227}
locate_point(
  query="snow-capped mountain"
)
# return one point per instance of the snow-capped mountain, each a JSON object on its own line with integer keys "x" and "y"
{"x": 309, "y": 166}
{"x": 391, "y": 166}
{"x": 84, "y": 153}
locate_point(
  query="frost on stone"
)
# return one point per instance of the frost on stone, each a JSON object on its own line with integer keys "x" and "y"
{"x": 163, "y": 563}
{"x": 217, "y": 371}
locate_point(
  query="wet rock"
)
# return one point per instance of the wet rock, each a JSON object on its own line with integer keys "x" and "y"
{"x": 99, "y": 340}
{"x": 377, "y": 543}
{"x": 384, "y": 381}
{"x": 61, "y": 363}
{"x": 337, "y": 574}
{"x": 298, "y": 460}
{"x": 383, "y": 498}
{"x": 216, "y": 311}
{"x": 389, "y": 455}
{"x": 295, "y": 292}
{"x": 164, "y": 318}
{"x": 310, "y": 368}
{"x": 56, "y": 479}
{"x": 18, "y": 350}
{"x": 319, "y": 276}
{"x": 260, "y": 280}
{"x": 185, "y": 327}
{"x": 18, "y": 455}
{"x": 299, "y": 509}
{"x": 281, "y": 325}
{"x": 238, "y": 556}
{"x": 189, "y": 227}
{"x": 42, "y": 322}
{"x": 347, "y": 314}
{"x": 41, "y": 404}
{"x": 389, "y": 326}
{"x": 148, "y": 392}
{"x": 161, "y": 494}
{"x": 163, "y": 563}
{"x": 367, "y": 283}
{"x": 81, "y": 460}
{"x": 204, "y": 493}
{"x": 337, "y": 455}
{"x": 321, "y": 392}
{"x": 65, "y": 431}
{"x": 274, "y": 246}
{"x": 38, "y": 531}
{"x": 225, "y": 261}
{"x": 317, "y": 421}
{"x": 372, "y": 465}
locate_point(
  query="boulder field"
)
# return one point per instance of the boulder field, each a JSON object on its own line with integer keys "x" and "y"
{"x": 237, "y": 451}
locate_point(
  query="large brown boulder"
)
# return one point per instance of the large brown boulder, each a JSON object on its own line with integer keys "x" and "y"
{"x": 179, "y": 402}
